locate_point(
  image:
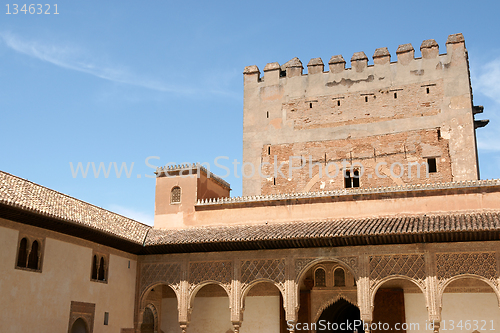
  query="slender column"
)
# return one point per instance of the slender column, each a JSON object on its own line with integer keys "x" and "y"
{"x": 291, "y": 298}
{"x": 364, "y": 292}
{"x": 235, "y": 300}
{"x": 184, "y": 305}
{"x": 432, "y": 292}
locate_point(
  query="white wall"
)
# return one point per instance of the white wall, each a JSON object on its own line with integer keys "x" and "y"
{"x": 262, "y": 314}
{"x": 40, "y": 302}
{"x": 212, "y": 314}
{"x": 465, "y": 307}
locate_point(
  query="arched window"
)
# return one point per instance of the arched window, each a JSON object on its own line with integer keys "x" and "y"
{"x": 33, "y": 257}
{"x": 94, "y": 268}
{"x": 22, "y": 256}
{"x": 320, "y": 278}
{"x": 339, "y": 277}
{"x": 101, "y": 275}
{"x": 175, "y": 195}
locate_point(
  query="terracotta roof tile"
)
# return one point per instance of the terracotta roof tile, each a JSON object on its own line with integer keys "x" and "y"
{"x": 381, "y": 226}
{"x": 21, "y": 193}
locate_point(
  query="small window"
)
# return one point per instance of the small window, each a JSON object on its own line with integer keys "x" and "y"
{"x": 100, "y": 263}
{"x": 310, "y": 105}
{"x": 320, "y": 278}
{"x": 351, "y": 181}
{"x": 268, "y": 114}
{"x": 338, "y": 102}
{"x": 366, "y": 99}
{"x": 339, "y": 277}
{"x": 355, "y": 179}
{"x": 102, "y": 270}
{"x": 106, "y": 318}
{"x": 22, "y": 256}
{"x": 347, "y": 179}
{"x": 395, "y": 95}
{"x": 431, "y": 165}
{"x": 175, "y": 195}
{"x": 269, "y": 150}
{"x": 29, "y": 255}
{"x": 428, "y": 90}
{"x": 34, "y": 255}
{"x": 94, "y": 268}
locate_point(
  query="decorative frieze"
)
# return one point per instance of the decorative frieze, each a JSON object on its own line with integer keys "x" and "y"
{"x": 165, "y": 273}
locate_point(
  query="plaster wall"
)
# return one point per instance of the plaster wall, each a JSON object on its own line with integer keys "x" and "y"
{"x": 210, "y": 315}
{"x": 332, "y": 208}
{"x": 465, "y": 307}
{"x": 169, "y": 316}
{"x": 40, "y": 301}
{"x": 262, "y": 314}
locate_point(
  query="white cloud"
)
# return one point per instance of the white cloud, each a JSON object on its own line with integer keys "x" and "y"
{"x": 74, "y": 58}
{"x": 132, "y": 214}
{"x": 487, "y": 80}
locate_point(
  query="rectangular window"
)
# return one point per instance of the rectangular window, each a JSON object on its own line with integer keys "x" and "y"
{"x": 351, "y": 181}
{"x": 431, "y": 164}
{"x": 106, "y": 318}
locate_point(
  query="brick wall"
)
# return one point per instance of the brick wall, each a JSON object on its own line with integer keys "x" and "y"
{"x": 382, "y": 152}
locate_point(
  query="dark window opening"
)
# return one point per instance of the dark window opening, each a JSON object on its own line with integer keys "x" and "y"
{"x": 395, "y": 95}
{"x": 310, "y": 105}
{"x": 282, "y": 73}
{"x": 106, "y": 318}
{"x": 428, "y": 90}
{"x": 267, "y": 114}
{"x": 22, "y": 256}
{"x": 274, "y": 179}
{"x": 175, "y": 195}
{"x": 269, "y": 150}
{"x": 100, "y": 275}
{"x": 431, "y": 164}
{"x": 339, "y": 277}
{"x": 355, "y": 179}
{"x": 94, "y": 268}
{"x": 347, "y": 179}
{"x": 320, "y": 278}
{"x": 366, "y": 99}
{"x": 33, "y": 257}
{"x": 350, "y": 182}
{"x": 338, "y": 103}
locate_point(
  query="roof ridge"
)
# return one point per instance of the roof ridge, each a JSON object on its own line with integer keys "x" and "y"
{"x": 70, "y": 197}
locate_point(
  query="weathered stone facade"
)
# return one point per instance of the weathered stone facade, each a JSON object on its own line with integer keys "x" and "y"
{"x": 359, "y": 115}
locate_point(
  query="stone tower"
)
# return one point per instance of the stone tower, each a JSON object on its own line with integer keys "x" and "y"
{"x": 391, "y": 123}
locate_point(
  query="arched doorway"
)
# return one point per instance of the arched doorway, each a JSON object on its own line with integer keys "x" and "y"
{"x": 263, "y": 309}
{"x": 148, "y": 321}
{"x": 210, "y": 310}
{"x": 160, "y": 310}
{"x": 469, "y": 304}
{"x": 341, "y": 316}
{"x": 79, "y": 326}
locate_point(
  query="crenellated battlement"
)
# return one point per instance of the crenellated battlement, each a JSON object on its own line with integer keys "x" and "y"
{"x": 405, "y": 55}
{"x": 353, "y": 113}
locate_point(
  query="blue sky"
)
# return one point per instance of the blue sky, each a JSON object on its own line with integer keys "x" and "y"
{"x": 120, "y": 81}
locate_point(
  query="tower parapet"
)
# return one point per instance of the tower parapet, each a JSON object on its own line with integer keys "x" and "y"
{"x": 286, "y": 109}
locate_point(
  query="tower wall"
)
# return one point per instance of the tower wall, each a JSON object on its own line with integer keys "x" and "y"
{"x": 391, "y": 112}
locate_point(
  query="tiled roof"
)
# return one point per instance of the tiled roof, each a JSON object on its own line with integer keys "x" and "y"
{"x": 21, "y": 193}
{"x": 26, "y": 196}
{"x": 395, "y": 229}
